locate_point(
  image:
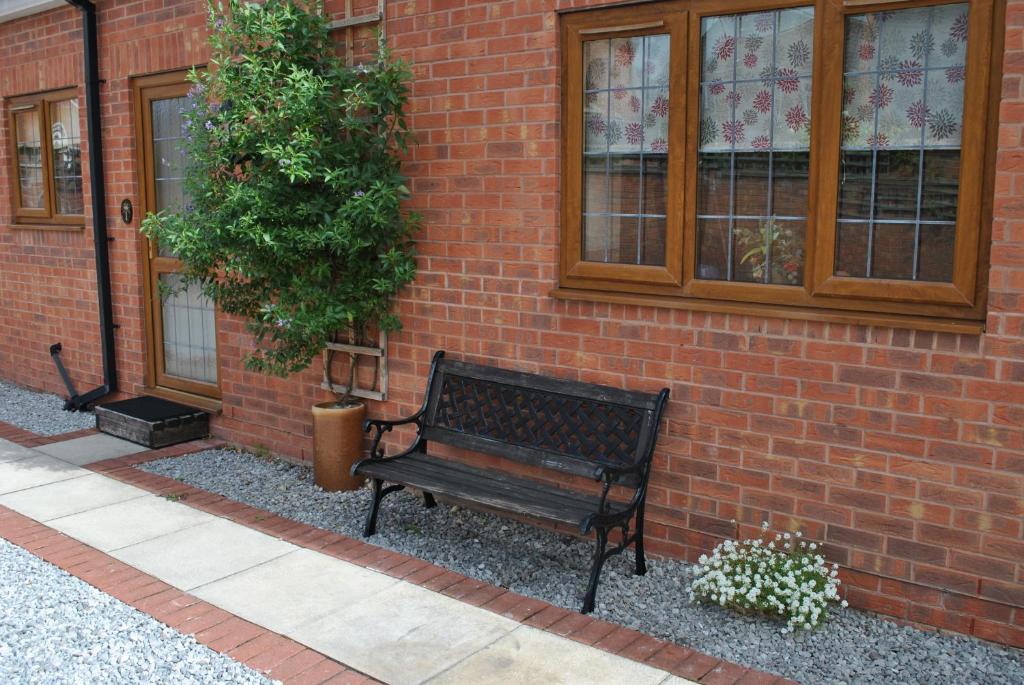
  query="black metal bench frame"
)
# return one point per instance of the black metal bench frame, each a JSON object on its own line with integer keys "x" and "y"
{"x": 604, "y": 433}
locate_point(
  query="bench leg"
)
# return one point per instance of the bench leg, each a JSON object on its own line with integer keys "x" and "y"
{"x": 638, "y": 544}
{"x": 371, "y": 517}
{"x": 428, "y": 500}
{"x": 595, "y": 571}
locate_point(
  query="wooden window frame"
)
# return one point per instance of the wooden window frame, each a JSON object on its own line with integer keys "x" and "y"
{"x": 47, "y": 216}
{"x": 959, "y": 305}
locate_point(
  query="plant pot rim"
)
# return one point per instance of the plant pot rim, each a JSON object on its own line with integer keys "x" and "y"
{"x": 333, "y": 406}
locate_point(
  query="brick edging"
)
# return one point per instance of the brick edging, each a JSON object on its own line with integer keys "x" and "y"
{"x": 26, "y": 438}
{"x": 631, "y": 644}
{"x": 263, "y": 650}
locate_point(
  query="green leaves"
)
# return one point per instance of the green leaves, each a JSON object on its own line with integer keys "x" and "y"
{"x": 294, "y": 217}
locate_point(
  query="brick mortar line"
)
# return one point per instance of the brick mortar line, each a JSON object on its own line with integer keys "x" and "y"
{"x": 259, "y": 648}
{"x": 631, "y": 644}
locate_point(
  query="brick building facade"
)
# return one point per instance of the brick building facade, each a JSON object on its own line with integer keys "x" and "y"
{"x": 901, "y": 449}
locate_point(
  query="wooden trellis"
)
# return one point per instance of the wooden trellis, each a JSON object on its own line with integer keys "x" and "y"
{"x": 379, "y": 354}
{"x": 350, "y": 23}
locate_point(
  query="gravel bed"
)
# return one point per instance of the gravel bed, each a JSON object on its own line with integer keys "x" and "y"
{"x": 40, "y": 412}
{"x": 854, "y": 647}
{"x": 56, "y": 629}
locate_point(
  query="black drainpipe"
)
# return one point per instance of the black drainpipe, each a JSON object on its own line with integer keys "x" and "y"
{"x": 99, "y": 219}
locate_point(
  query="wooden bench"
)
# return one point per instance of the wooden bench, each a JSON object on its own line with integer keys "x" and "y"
{"x": 603, "y": 433}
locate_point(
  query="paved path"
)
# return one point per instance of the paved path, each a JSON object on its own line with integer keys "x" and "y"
{"x": 393, "y": 630}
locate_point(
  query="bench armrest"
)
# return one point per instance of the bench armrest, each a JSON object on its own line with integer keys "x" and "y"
{"x": 381, "y": 426}
{"x": 615, "y": 472}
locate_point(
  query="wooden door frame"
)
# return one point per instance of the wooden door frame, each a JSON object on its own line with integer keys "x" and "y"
{"x": 146, "y": 89}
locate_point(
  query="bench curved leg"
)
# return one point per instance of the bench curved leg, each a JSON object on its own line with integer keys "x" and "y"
{"x": 371, "y": 517}
{"x": 638, "y": 544}
{"x": 379, "y": 493}
{"x": 428, "y": 500}
{"x": 595, "y": 570}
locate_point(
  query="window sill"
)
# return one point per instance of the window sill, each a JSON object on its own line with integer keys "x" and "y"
{"x": 67, "y": 228}
{"x": 198, "y": 401}
{"x": 922, "y": 323}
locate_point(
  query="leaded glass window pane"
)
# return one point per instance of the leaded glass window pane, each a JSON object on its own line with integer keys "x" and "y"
{"x": 754, "y": 147}
{"x": 30, "y": 159}
{"x": 66, "y": 146}
{"x": 625, "y": 149}
{"x": 902, "y": 117}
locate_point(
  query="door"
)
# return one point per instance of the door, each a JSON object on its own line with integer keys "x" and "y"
{"x": 181, "y": 323}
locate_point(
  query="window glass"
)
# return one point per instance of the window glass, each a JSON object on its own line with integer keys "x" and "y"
{"x": 66, "y": 146}
{"x": 625, "y": 150}
{"x": 900, "y": 156}
{"x": 30, "y": 159}
{"x": 168, "y": 156}
{"x": 753, "y": 151}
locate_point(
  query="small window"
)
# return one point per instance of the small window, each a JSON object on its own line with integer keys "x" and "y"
{"x": 46, "y": 131}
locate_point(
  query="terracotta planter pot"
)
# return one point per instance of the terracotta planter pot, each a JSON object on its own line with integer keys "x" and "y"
{"x": 337, "y": 443}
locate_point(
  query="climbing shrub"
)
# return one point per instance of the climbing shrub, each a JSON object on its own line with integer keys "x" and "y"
{"x": 293, "y": 218}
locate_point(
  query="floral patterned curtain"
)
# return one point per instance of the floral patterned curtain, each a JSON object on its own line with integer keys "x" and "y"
{"x": 754, "y": 147}
{"x": 625, "y": 123}
{"x": 903, "y": 93}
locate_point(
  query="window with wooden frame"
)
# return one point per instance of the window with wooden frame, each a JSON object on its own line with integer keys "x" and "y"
{"x": 820, "y": 159}
{"x": 46, "y": 153}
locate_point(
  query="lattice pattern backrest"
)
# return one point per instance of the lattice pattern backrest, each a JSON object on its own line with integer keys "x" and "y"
{"x": 580, "y": 428}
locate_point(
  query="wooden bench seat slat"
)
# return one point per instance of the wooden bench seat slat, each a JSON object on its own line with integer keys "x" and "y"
{"x": 487, "y": 488}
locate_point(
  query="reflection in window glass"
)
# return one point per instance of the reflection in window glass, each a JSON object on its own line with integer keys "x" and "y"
{"x": 900, "y": 158}
{"x": 625, "y": 151}
{"x": 66, "y": 146}
{"x": 30, "y": 159}
{"x": 755, "y": 119}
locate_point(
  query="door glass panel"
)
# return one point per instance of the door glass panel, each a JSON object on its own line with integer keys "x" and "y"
{"x": 30, "y": 159}
{"x": 189, "y": 344}
{"x": 66, "y": 137}
{"x": 168, "y": 157}
{"x": 903, "y": 100}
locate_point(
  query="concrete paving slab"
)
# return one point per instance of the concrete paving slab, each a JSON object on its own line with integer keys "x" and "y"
{"x": 34, "y": 471}
{"x": 12, "y": 451}
{"x": 528, "y": 656}
{"x": 294, "y": 589}
{"x": 202, "y": 554}
{"x": 91, "y": 448}
{"x": 68, "y": 497}
{"x": 405, "y": 634}
{"x": 128, "y": 523}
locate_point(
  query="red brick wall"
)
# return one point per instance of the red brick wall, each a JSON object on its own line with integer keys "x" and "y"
{"x": 902, "y": 451}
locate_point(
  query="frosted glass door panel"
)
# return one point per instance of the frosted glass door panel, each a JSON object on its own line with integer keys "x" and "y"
{"x": 190, "y": 343}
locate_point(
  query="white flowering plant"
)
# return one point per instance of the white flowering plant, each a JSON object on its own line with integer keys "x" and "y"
{"x": 781, "y": 576}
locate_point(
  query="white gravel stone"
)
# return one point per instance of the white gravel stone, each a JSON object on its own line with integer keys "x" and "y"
{"x": 56, "y": 629}
{"x": 40, "y": 412}
{"x": 853, "y": 647}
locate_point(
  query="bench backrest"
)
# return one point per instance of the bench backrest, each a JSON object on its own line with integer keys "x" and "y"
{"x": 560, "y": 424}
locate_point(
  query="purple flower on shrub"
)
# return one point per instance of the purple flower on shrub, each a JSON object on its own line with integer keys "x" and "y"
{"x": 358, "y": 193}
